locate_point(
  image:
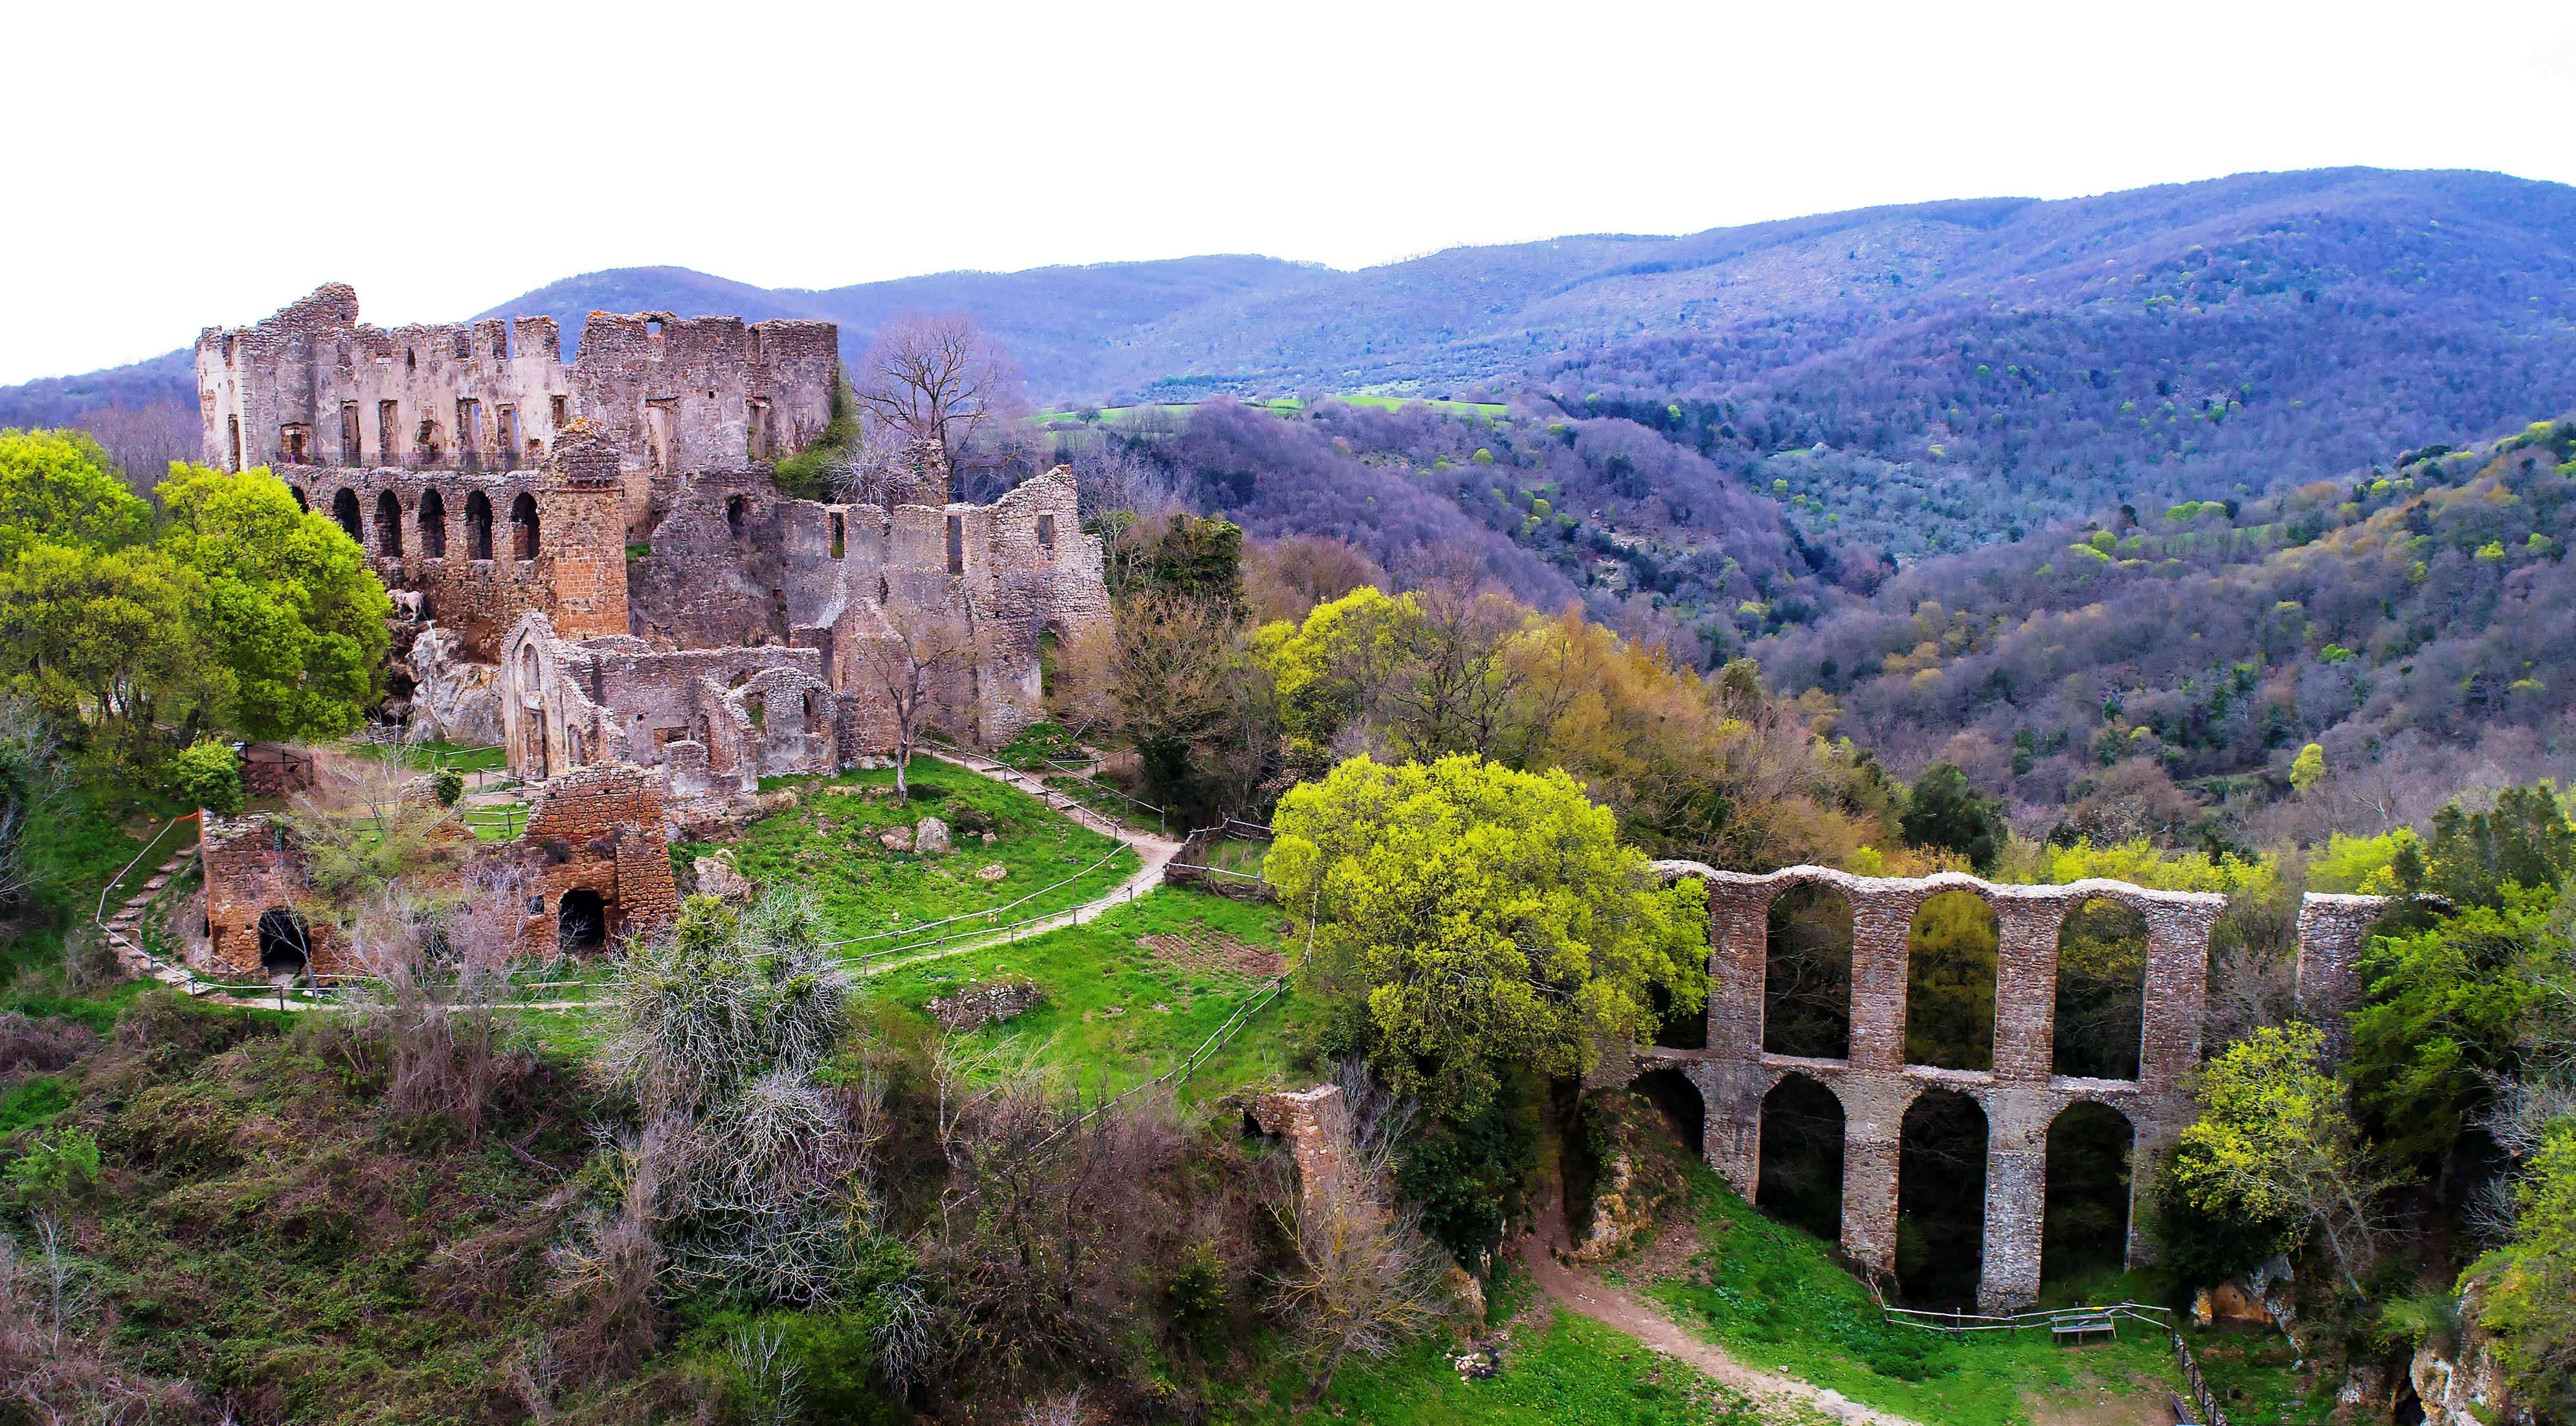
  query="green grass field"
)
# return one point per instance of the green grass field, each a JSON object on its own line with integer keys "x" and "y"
{"x": 829, "y": 846}
{"x": 1774, "y": 1298}
{"x": 1119, "y": 1008}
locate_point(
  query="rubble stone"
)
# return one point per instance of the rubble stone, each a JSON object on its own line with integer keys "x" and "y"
{"x": 930, "y": 838}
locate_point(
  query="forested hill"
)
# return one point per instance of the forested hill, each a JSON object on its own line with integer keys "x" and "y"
{"x": 2417, "y": 622}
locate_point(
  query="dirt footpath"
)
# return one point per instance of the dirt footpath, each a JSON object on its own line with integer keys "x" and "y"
{"x": 1580, "y": 1291}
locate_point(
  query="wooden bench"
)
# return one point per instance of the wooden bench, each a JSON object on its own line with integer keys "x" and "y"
{"x": 2076, "y": 1329}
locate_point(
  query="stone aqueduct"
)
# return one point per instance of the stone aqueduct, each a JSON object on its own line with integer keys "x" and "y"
{"x": 2021, "y": 1096}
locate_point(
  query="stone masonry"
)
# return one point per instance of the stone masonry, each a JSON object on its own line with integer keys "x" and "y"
{"x": 2021, "y": 1096}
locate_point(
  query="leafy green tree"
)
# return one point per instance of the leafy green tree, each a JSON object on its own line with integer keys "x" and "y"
{"x": 1946, "y": 811}
{"x": 60, "y": 487}
{"x": 1472, "y": 916}
{"x": 2530, "y": 1303}
{"x": 296, "y": 616}
{"x": 108, "y": 636}
{"x": 2525, "y": 841}
{"x": 2276, "y": 1144}
{"x": 2444, "y": 1018}
{"x": 1186, "y": 557}
{"x": 208, "y": 775}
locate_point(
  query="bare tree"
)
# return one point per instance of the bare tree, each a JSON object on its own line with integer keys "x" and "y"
{"x": 920, "y": 664}
{"x": 1366, "y": 1280}
{"x": 437, "y": 975}
{"x": 936, "y": 378}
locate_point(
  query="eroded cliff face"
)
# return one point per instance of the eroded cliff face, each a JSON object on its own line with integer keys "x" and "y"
{"x": 460, "y": 701}
{"x": 2463, "y": 1384}
{"x": 1639, "y": 1175}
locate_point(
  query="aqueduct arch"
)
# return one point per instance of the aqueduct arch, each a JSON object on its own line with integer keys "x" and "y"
{"x": 2021, "y": 1096}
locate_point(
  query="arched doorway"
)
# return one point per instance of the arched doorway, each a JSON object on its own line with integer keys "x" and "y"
{"x": 2086, "y": 1233}
{"x": 2101, "y": 991}
{"x": 1802, "y": 1157}
{"x": 1950, "y": 983}
{"x": 581, "y": 921}
{"x": 523, "y": 527}
{"x": 433, "y": 525}
{"x": 388, "y": 526}
{"x": 478, "y": 526}
{"x": 1941, "y": 1200}
{"x": 344, "y": 509}
{"x": 284, "y": 949}
{"x": 302, "y": 505}
{"x": 1806, "y": 980}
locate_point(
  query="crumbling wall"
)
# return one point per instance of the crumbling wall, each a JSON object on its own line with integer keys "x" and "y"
{"x": 1316, "y": 1125}
{"x": 2021, "y": 1095}
{"x": 249, "y": 872}
{"x": 599, "y": 829}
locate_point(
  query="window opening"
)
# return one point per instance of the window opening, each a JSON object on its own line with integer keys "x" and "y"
{"x": 1950, "y": 983}
{"x": 523, "y": 527}
{"x": 1807, "y": 974}
{"x": 469, "y": 428}
{"x": 838, "y": 548}
{"x": 389, "y": 526}
{"x": 1046, "y": 531}
{"x": 736, "y": 510}
{"x": 344, "y": 508}
{"x": 2101, "y": 991}
{"x": 433, "y": 524}
{"x": 290, "y": 445}
{"x": 350, "y": 451}
{"x": 389, "y": 432}
{"x": 560, "y": 410}
{"x": 956, "y": 545}
{"x": 233, "y": 425}
{"x": 478, "y": 526}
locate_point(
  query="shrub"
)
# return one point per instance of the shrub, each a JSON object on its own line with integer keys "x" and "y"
{"x": 208, "y": 776}
{"x": 449, "y": 784}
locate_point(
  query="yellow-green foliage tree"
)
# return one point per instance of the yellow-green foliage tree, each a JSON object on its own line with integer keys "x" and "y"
{"x": 2530, "y": 1282}
{"x": 296, "y": 617}
{"x": 1466, "y": 915}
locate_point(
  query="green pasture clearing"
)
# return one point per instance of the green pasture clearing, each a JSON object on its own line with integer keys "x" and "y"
{"x": 432, "y": 755}
{"x": 1572, "y": 1371}
{"x": 828, "y": 845}
{"x": 1775, "y": 1299}
{"x": 1116, "y": 1010}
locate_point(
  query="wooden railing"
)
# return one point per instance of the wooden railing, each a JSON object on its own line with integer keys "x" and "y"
{"x": 2203, "y": 1400}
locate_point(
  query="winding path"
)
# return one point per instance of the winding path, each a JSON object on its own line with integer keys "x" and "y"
{"x": 1545, "y": 1253}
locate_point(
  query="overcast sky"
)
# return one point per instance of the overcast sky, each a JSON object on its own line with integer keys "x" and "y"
{"x": 175, "y": 167}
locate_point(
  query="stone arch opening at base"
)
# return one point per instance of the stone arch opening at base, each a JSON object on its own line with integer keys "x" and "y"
{"x": 344, "y": 511}
{"x": 478, "y": 526}
{"x": 433, "y": 524}
{"x": 2101, "y": 991}
{"x": 389, "y": 541}
{"x": 2085, "y": 1237}
{"x": 1941, "y": 1201}
{"x": 1679, "y": 1101}
{"x": 1802, "y": 1157}
{"x": 1950, "y": 982}
{"x": 284, "y": 949}
{"x": 581, "y": 920}
{"x": 523, "y": 527}
{"x": 1807, "y": 974}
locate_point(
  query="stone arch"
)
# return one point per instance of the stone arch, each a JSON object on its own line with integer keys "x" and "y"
{"x": 1941, "y": 1199}
{"x": 344, "y": 509}
{"x": 433, "y": 524}
{"x": 478, "y": 526}
{"x": 1807, "y": 973}
{"x": 1684, "y": 1109}
{"x": 301, "y": 504}
{"x": 284, "y": 947}
{"x": 389, "y": 542}
{"x": 737, "y": 513}
{"x": 523, "y": 527}
{"x": 1951, "y": 948}
{"x": 2101, "y": 993}
{"x": 2091, "y": 1192}
{"x": 581, "y": 920}
{"x": 1801, "y": 1176}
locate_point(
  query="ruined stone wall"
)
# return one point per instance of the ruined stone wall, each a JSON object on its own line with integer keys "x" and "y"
{"x": 1315, "y": 1123}
{"x": 618, "y": 699}
{"x": 314, "y": 386}
{"x": 250, "y": 871}
{"x": 451, "y": 537}
{"x": 599, "y": 828}
{"x": 2021, "y": 1095}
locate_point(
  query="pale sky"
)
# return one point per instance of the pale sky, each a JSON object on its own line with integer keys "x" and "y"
{"x": 173, "y": 167}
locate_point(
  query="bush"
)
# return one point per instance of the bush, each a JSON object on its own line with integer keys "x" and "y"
{"x": 208, "y": 776}
{"x": 449, "y": 784}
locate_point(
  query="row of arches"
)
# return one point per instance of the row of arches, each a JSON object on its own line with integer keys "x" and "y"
{"x": 1941, "y": 1185}
{"x": 1950, "y": 978}
{"x": 384, "y": 535}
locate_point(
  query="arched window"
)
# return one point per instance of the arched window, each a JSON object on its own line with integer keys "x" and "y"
{"x": 523, "y": 527}
{"x": 2085, "y": 1234}
{"x": 1806, "y": 983}
{"x": 433, "y": 524}
{"x": 478, "y": 526}
{"x": 344, "y": 509}
{"x": 1941, "y": 1200}
{"x": 388, "y": 526}
{"x": 1802, "y": 1157}
{"x": 1950, "y": 983}
{"x": 737, "y": 510}
{"x": 2101, "y": 991}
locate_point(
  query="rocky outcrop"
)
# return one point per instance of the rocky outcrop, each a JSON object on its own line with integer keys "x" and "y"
{"x": 983, "y": 1003}
{"x": 717, "y": 877}
{"x": 1639, "y": 1178}
{"x": 930, "y": 838}
{"x": 460, "y": 701}
{"x": 2460, "y": 1383}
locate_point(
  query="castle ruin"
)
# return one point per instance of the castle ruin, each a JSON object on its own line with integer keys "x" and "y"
{"x": 596, "y": 559}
